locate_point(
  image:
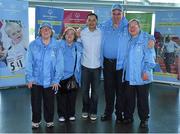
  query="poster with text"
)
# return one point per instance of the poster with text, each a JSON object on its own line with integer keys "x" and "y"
{"x": 167, "y": 34}
{"x": 49, "y": 14}
{"x": 14, "y": 40}
{"x": 145, "y": 20}
{"x": 75, "y": 19}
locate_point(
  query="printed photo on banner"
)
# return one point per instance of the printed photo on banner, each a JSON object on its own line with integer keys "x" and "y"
{"x": 167, "y": 46}
{"x": 168, "y": 53}
{"x": 13, "y": 46}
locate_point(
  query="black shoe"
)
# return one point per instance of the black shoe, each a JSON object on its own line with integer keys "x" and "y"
{"x": 144, "y": 124}
{"x": 128, "y": 121}
{"x": 105, "y": 117}
{"x": 119, "y": 120}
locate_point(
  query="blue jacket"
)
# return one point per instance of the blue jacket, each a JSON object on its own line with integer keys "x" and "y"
{"x": 122, "y": 41}
{"x": 44, "y": 64}
{"x": 78, "y": 46}
{"x": 139, "y": 59}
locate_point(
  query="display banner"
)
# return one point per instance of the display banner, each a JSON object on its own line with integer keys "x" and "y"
{"x": 75, "y": 19}
{"x": 14, "y": 38}
{"x": 167, "y": 34}
{"x": 144, "y": 18}
{"x": 49, "y": 14}
{"x": 103, "y": 13}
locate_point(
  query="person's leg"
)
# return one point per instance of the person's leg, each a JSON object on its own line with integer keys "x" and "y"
{"x": 130, "y": 97}
{"x": 95, "y": 81}
{"x": 85, "y": 86}
{"x": 109, "y": 72}
{"x": 48, "y": 99}
{"x": 143, "y": 103}
{"x": 71, "y": 104}
{"x": 167, "y": 62}
{"x": 36, "y": 101}
{"x": 120, "y": 96}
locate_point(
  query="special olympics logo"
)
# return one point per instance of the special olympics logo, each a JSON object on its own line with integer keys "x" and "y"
{"x": 77, "y": 15}
{"x": 50, "y": 11}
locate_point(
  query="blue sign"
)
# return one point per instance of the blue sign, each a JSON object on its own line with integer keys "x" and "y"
{"x": 49, "y": 14}
{"x": 167, "y": 46}
{"x": 14, "y": 40}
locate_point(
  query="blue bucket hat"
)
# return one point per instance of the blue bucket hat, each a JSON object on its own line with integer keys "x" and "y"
{"x": 46, "y": 24}
{"x": 116, "y": 7}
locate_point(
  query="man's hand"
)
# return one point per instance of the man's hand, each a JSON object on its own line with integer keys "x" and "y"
{"x": 78, "y": 32}
{"x": 151, "y": 43}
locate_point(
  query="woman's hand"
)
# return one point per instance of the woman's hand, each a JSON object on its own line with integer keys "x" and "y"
{"x": 145, "y": 76}
{"x": 55, "y": 87}
{"x": 30, "y": 85}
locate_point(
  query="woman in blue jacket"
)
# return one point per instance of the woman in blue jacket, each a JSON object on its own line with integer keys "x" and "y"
{"x": 138, "y": 67}
{"x": 66, "y": 99}
{"x": 44, "y": 69}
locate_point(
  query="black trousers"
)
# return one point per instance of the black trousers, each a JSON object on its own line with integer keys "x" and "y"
{"x": 114, "y": 88}
{"x": 169, "y": 59}
{"x": 66, "y": 100}
{"x": 141, "y": 93}
{"x": 90, "y": 78}
{"x": 38, "y": 93}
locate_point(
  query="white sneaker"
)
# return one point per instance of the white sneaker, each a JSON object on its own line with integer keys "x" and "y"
{"x": 62, "y": 119}
{"x": 72, "y": 118}
{"x": 50, "y": 124}
{"x": 85, "y": 115}
{"x": 93, "y": 117}
{"x": 36, "y": 125}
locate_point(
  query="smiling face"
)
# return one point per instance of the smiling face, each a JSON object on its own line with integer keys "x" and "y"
{"x": 70, "y": 36}
{"x": 45, "y": 32}
{"x": 14, "y": 32}
{"x": 117, "y": 16}
{"x": 92, "y": 22}
{"x": 134, "y": 28}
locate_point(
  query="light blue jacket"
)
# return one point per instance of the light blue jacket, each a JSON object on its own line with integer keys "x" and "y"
{"x": 44, "y": 64}
{"x": 78, "y": 46}
{"x": 139, "y": 59}
{"x": 122, "y": 41}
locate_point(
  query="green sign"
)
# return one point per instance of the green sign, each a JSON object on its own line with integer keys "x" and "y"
{"x": 144, "y": 18}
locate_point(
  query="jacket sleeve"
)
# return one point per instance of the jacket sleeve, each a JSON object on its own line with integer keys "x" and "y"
{"x": 59, "y": 67}
{"x": 149, "y": 59}
{"x": 77, "y": 72}
{"x": 29, "y": 65}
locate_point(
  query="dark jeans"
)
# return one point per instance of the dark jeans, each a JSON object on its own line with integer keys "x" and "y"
{"x": 90, "y": 78}
{"x": 169, "y": 59}
{"x": 38, "y": 93}
{"x": 114, "y": 88}
{"x": 66, "y": 100}
{"x": 141, "y": 93}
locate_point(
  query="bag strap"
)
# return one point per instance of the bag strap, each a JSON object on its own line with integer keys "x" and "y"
{"x": 75, "y": 59}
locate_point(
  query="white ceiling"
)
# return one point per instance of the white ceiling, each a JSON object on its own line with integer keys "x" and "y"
{"x": 128, "y": 4}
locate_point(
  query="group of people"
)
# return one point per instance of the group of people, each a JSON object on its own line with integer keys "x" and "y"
{"x": 120, "y": 48}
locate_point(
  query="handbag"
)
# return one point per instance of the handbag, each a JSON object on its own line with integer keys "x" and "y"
{"x": 72, "y": 84}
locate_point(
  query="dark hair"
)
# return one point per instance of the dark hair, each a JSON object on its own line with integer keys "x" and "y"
{"x": 92, "y": 14}
{"x": 65, "y": 32}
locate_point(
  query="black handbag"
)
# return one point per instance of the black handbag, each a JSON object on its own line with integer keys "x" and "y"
{"x": 72, "y": 84}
